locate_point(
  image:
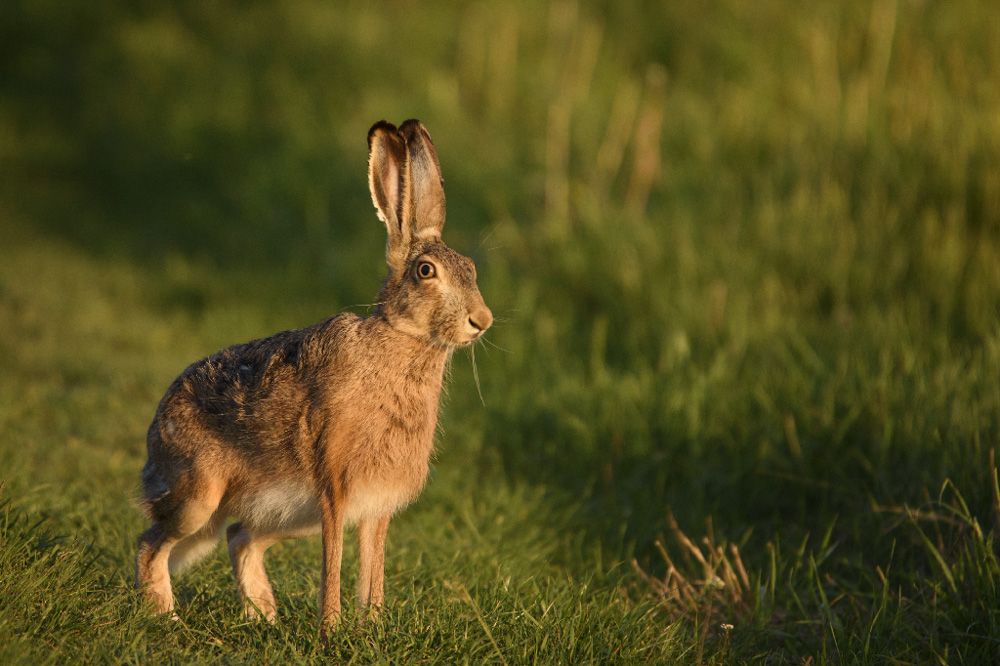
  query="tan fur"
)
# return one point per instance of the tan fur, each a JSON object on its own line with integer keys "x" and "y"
{"x": 313, "y": 430}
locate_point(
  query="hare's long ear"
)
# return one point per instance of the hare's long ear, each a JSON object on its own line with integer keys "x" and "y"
{"x": 428, "y": 187}
{"x": 392, "y": 189}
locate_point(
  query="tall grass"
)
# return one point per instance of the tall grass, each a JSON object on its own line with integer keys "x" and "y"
{"x": 745, "y": 263}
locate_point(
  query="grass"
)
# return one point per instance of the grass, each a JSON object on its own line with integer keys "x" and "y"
{"x": 743, "y": 393}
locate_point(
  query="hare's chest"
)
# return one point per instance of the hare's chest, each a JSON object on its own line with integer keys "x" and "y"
{"x": 379, "y": 444}
{"x": 369, "y": 499}
{"x": 385, "y": 471}
{"x": 389, "y": 424}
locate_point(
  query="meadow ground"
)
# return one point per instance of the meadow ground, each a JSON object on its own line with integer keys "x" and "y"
{"x": 742, "y": 399}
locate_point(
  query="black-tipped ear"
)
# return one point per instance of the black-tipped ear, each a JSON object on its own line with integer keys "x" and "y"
{"x": 390, "y": 184}
{"x": 428, "y": 186}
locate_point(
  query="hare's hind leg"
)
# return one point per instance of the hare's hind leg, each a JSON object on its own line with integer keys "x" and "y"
{"x": 371, "y": 548}
{"x": 152, "y": 574}
{"x": 246, "y": 552}
{"x": 192, "y": 548}
{"x": 183, "y": 519}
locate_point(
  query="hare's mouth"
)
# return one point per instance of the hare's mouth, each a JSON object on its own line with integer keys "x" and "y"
{"x": 472, "y": 334}
{"x": 461, "y": 342}
{"x": 464, "y": 338}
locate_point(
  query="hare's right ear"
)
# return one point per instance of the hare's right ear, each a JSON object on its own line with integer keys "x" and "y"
{"x": 391, "y": 188}
{"x": 428, "y": 187}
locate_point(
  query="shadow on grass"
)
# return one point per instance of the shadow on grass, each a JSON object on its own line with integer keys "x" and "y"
{"x": 139, "y": 132}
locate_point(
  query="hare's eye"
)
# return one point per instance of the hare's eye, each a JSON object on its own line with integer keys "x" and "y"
{"x": 425, "y": 270}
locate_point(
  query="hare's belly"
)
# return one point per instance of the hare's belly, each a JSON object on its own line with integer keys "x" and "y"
{"x": 294, "y": 508}
{"x": 285, "y": 507}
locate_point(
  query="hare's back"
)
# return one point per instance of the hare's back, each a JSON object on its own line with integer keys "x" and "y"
{"x": 230, "y": 380}
{"x": 252, "y": 395}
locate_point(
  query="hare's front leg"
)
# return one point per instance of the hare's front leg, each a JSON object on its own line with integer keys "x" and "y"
{"x": 333, "y": 552}
{"x": 371, "y": 548}
{"x": 246, "y": 552}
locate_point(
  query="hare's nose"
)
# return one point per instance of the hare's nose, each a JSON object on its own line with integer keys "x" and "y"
{"x": 481, "y": 319}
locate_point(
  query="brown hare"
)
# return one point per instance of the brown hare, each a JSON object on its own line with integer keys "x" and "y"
{"x": 312, "y": 430}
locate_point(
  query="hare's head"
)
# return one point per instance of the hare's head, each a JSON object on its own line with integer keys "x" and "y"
{"x": 431, "y": 290}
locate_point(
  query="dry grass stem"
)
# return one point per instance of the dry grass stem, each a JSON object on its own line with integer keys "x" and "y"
{"x": 714, "y": 583}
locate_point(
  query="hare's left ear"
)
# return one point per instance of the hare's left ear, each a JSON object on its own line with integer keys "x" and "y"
{"x": 392, "y": 189}
{"x": 428, "y": 187}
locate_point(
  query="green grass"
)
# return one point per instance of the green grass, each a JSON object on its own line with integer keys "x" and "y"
{"x": 745, "y": 264}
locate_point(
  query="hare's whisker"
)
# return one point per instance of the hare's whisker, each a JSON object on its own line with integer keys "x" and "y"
{"x": 495, "y": 345}
{"x": 475, "y": 373}
{"x": 493, "y": 228}
{"x": 364, "y": 305}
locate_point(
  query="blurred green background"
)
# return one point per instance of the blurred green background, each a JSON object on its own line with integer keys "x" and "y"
{"x": 744, "y": 259}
